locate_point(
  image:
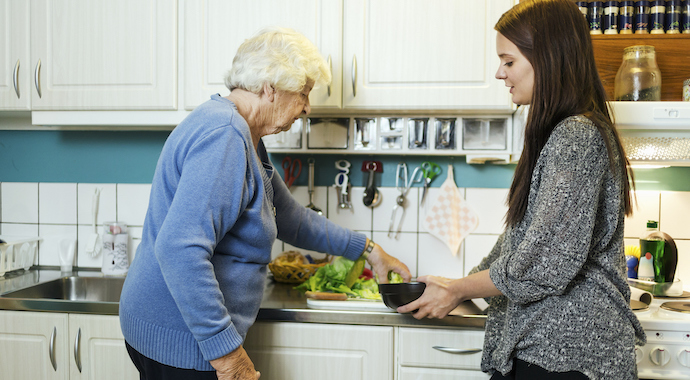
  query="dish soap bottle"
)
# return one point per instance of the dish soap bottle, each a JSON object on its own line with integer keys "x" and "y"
{"x": 651, "y": 251}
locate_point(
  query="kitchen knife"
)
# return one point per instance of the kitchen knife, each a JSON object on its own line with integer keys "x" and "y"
{"x": 354, "y": 272}
{"x": 326, "y": 296}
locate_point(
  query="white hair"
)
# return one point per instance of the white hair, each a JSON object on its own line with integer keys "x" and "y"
{"x": 280, "y": 57}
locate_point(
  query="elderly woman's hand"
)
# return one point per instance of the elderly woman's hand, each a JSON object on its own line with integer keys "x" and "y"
{"x": 382, "y": 263}
{"x": 235, "y": 366}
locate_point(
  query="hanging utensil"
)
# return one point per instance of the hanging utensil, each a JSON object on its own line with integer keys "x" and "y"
{"x": 431, "y": 171}
{"x": 292, "y": 169}
{"x": 311, "y": 204}
{"x": 342, "y": 184}
{"x": 93, "y": 243}
{"x": 403, "y": 184}
{"x": 372, "y": 196}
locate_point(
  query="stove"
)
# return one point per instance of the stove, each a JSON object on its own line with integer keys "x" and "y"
{"x": 666, "y": 355}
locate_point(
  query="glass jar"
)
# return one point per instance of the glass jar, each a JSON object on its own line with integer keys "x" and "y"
{"x": 638, "y": 78}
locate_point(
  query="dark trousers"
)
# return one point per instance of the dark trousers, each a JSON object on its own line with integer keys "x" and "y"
{"x": 526, "y": 371}
{"x": 152, "y": 370}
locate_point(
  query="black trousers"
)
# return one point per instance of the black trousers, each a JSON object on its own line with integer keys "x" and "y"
{"x": 152, "y": 370}
{"x": 526, "y": 371}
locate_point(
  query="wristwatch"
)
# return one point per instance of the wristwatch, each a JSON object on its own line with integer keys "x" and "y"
{"x": 368, "y": 249}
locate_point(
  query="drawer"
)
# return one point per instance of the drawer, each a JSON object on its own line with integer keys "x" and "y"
{"x": 416, "y": 373}
{"x": 455, "y": 349}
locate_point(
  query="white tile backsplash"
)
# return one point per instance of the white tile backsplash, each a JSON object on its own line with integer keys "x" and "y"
{"x": 19, "y": 202}
{"x": 384, "y": 211}
{"x": 132, "y": 203}
{"x": 57, "y": 211}
{"x": 675, "y": 214}
{"x": 57, "y": 203}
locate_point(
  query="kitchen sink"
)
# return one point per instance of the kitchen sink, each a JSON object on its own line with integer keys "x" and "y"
{"x": 100, "y": 295}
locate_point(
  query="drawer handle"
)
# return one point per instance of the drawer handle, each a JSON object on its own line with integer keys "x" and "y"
{"x": 458, "y": 351}
{"x": 330, "y": 67}
{"x": 77, "y": 350}
{"x": 51, "y": 349}
{"x": 15, "y": 80}
{"x": 37, "y": 78}
{"x": 354, "y": 76}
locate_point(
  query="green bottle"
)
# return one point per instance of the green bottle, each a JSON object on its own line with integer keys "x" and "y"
{"x": 652, "y": 248}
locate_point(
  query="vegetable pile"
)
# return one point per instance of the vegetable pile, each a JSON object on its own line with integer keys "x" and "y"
{"x": 331, "y": 278}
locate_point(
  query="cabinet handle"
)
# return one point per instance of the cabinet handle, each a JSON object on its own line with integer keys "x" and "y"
{"x": 51, "y": 349}
{"x": 77, "y": 350}
{"x": 37, "y": 77}
{"x": 15, "y": 79}
{"x": 354, "y": 75}
{"x": 330, "y": 67}
{"x": 458, "y": 351}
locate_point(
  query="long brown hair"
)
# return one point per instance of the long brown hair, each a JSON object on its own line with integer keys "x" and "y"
{"x": 554, "y": 37}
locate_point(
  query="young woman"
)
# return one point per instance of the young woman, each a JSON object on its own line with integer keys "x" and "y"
{"x": 559, "y": 306}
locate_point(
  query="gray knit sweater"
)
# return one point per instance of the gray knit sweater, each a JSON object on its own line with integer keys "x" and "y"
{"x": 565, "y": 303}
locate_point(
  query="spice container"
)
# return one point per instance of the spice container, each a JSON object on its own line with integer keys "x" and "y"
{"x": 686, "y": 90}
{"x": 673, "y": 17}
{"x": 638, "y": 77}
{"x": 641, "y": 17}
{"x": 596, "y": 11}
{"x": 657, "y": 12}
{"x": 611, "y": 17}
{"x": 626, "y": 17}
{"x": 685, "y": 16}
{"x": 582, "y": 5}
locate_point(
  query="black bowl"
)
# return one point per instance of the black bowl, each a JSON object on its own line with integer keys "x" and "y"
{"x": 396, "y": 295}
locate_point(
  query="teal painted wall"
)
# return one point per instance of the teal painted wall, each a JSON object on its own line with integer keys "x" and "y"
{"x": 130, "y": 157}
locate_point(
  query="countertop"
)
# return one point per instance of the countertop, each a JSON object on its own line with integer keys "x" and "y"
{"x": 280, "y": 303}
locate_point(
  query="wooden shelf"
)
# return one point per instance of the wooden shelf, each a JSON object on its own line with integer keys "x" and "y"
{"x": 671, "y": 56}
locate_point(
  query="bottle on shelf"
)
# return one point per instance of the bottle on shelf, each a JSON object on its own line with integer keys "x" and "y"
{"x": 651, "y": 248}
{"x": 641, "y": 17}
{"x": 596, "y": 11}
{"x": 673, "y": 17}
{"x": 610, "y": 18}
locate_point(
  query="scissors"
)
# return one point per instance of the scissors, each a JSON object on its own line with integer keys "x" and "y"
{"x": 431, "y": 171}
{"x": 290, "y": 166}
{"x": 403, "y": 184}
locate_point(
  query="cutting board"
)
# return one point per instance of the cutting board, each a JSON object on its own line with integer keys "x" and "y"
{"x": 349, "y": 304}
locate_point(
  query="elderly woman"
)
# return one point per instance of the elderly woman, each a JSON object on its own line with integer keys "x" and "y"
{"x": 216, "y": 208}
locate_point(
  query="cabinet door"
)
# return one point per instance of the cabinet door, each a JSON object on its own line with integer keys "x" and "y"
{"x": 400, "y": 54}
{"x": 30, "y": 343}
{"x": 15, "y": 93}
{"x": 104, "y": 54}
{"x": 214, "y": 29}
{"x": 97, "y": 349}
{"x": 318, "y": 351}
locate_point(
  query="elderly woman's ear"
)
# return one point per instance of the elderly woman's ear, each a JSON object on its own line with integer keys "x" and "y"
{"x": 269, "y": 91}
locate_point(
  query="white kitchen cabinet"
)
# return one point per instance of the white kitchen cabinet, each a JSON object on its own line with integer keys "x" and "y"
{"x": 33, "y": 346}
{"x": 15, "y": 79}
{"x": 416, "y": 54}
{"x": 30, "y": 342}
{"x": 284, "y": 350}
{"x": 214, "y": 29}
{"x": 439, "y": 354}
{"x": 98, "y": 349}
{"x": 103, "y": 55}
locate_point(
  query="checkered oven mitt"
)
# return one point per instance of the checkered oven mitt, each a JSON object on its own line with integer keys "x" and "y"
{"x": 450, "y": 219}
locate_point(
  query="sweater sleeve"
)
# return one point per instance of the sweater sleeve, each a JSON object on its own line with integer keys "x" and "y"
{"x": 211, "y": 192}
{"x": 562, "y": 216}
{"x": 304, "y": 228}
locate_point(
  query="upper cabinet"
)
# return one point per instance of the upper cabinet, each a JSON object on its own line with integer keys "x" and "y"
{"x": 214, "y": 30}
{"x": 417, "y": 54}
{"x": 103, "y": 54}
{"x": 15, "y": 79}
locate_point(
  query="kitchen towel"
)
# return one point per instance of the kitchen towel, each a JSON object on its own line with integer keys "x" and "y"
{"x": 450, "y": 219}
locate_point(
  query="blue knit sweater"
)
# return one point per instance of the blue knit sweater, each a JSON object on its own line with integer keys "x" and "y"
{"x": 216, "y": 207}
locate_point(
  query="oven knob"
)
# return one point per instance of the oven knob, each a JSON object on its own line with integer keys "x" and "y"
{"x": 639, "y": 355}
{"x": 684, "y": 357}
{"x": 659, "y": 356}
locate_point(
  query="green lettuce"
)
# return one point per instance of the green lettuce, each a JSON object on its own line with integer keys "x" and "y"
{"x": 331, "y": 278}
